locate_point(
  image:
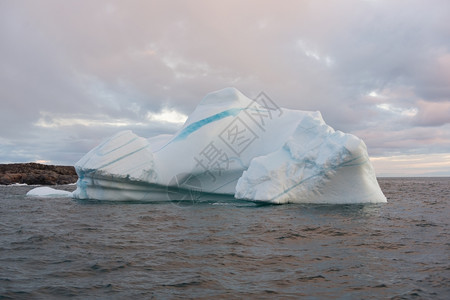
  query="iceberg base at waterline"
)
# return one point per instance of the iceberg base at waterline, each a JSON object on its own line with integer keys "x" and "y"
{"x": 232, "y": 145}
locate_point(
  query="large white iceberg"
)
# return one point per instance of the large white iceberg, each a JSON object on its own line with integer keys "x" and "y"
{"x": 230, "y": 144}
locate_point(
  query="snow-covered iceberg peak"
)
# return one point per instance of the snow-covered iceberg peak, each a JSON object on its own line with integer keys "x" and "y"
{"x": 230, "y": 144}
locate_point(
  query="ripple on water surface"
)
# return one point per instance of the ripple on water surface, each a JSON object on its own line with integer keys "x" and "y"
{"x": 56, "y": 247}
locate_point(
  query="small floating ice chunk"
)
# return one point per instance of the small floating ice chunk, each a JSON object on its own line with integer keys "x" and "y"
{"x": 17, "y": 184}
{"x": 48, "y": 192}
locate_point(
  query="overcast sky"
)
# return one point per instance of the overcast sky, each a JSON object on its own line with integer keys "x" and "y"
{"x": 75, "y": 72}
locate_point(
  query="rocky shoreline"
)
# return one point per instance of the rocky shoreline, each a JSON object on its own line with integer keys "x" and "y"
{"x": 34, "y": 173}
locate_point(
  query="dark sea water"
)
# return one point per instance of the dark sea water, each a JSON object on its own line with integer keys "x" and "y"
{"x": 52, "y": 248}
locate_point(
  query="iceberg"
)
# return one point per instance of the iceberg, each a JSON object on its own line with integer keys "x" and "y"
{"x": 232, "y": 145}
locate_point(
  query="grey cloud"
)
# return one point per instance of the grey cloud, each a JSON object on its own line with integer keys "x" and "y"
{"x": 433, "y": 114}
{"x": 125, "y": 59}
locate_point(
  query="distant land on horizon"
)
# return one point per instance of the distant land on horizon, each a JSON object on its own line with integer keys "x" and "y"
{"x": 36, "y": 173}
{"x": 46, "y": 174}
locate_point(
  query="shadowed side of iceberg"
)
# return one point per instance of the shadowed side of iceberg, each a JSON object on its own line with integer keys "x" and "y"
{"x": 120, "y": 168}
{"x": 316, "y": 165}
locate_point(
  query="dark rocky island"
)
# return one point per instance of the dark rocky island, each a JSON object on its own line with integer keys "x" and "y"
{"x": 34, "y": 173}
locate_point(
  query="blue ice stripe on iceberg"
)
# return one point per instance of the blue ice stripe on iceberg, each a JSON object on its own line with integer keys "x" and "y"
{"x": 199, "y": 124}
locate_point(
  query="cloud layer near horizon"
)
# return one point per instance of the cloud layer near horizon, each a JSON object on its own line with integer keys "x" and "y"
{"x": 74, "y": 72}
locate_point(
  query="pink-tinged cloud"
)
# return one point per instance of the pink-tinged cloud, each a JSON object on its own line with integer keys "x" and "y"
{"x": 416, "y": 165}
{"x": 382, "y": 141}
{"x": 433, "y": 113}
{"x": 379, "y": 69}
